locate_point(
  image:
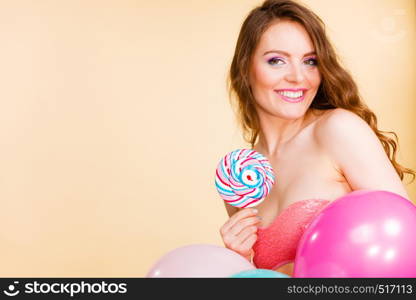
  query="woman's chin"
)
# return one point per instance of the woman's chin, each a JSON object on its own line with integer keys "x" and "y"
{"x": 291, "y": 115}
{"x": 289, "y": 112}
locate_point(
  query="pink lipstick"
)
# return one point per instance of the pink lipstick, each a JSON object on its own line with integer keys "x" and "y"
{"x": 291, "y": 95}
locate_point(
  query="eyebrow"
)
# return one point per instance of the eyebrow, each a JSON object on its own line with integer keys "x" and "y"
{"x": 287, "y": 54}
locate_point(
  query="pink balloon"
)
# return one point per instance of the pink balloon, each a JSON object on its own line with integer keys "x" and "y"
{"x": 200, "y": 261}
{"x": 363, "y": 234}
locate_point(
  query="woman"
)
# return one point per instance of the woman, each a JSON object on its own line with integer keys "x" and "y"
{"x": 301, "y": 109}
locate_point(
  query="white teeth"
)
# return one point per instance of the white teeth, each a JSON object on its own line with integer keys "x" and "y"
{"x": 291, "y": 94}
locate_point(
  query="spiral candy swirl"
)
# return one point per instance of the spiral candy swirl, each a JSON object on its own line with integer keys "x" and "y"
{"x": 244, "y": 178}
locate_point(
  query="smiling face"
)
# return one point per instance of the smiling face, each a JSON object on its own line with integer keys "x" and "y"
{"x": 284, "y": 76}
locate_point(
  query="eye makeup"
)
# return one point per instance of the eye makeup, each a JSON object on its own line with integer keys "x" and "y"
{"x": 275, "y": 60}
{"x": 311, "y": 61}
{"x": 278, "y": 60}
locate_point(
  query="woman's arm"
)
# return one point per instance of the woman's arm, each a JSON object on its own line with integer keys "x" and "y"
{"x": 358, "y": 153}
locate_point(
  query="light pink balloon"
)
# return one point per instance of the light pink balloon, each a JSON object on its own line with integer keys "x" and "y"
{"x": 200, "y": 261}
{"x": 363, "y": 234}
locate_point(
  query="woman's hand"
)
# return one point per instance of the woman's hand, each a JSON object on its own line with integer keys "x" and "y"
{"x": 239, "y": 232}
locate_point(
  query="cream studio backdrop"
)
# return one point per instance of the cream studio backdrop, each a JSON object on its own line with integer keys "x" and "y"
{"x": 115, "y": 113}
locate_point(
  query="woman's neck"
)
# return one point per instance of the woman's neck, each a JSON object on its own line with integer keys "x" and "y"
{"x": 276, "y": 132}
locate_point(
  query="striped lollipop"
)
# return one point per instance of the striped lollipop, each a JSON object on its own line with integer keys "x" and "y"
{"x": 244, "y": 178}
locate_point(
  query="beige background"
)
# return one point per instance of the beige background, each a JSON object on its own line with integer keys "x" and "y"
{"x": 114, "y": 115}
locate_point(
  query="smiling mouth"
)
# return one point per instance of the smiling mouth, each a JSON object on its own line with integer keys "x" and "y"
{"x": 292, "y": 96}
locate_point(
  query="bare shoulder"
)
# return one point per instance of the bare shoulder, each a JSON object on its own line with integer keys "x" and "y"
{"x": 357, "y": 152}
{"x": 339, "y": 124}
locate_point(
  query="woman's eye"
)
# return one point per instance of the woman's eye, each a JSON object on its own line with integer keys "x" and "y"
{"x": 275, "y": 61}
{"x": 311, "y": 62}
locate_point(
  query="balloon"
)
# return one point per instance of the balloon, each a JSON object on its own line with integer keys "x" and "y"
{"x": 363, "y": 234}
{"x": 259, "y": 273}
{"x": 200, "y": 261}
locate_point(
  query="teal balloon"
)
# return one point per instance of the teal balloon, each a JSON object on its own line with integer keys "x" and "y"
{"x": 260, "y": 273}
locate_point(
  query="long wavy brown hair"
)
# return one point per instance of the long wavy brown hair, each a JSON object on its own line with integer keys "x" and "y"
{"x": 337, "y": 88}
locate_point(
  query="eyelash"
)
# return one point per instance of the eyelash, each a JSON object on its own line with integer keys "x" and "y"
{"x": 270, "y": 61}
{"x": 314, "y": 60}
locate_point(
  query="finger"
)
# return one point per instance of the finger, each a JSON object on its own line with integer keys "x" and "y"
{"x": 240, "y": 226}
{"x": 249, "y": 242}
{"x": 245, "y": 233}
{"x": 235, "y": 241}
{"x": 244, "y": 213}
{"x": 246, "y": 247}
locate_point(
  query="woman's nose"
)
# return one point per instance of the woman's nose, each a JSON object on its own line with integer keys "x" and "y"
{"x": 295, "y": 74}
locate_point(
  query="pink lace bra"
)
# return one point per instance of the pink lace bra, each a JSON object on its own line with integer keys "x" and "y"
{"x": 277, "y": 243}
